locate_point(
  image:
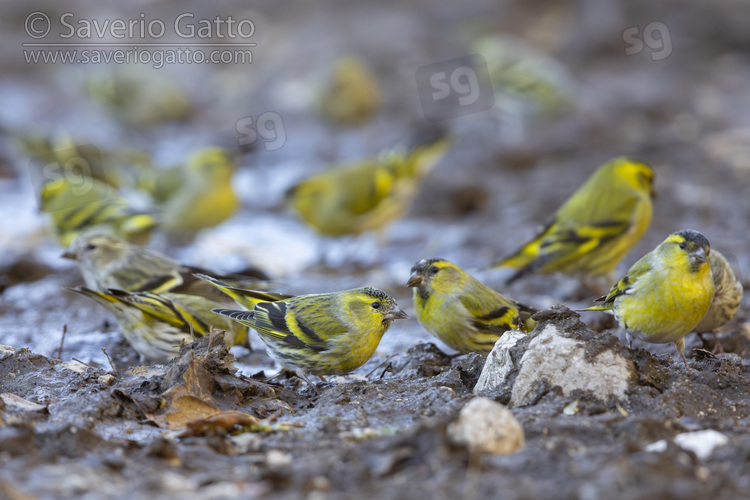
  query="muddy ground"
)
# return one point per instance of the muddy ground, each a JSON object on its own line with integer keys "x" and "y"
{"x": 74, "y": 425}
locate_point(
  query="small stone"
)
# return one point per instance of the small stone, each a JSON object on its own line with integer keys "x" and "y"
{"x": 246, "y": 442}
{"x": 500, "y": 363}
{"x": 74, "y": 366}
{"x": 319, "y": 483}
{"x": 657, "y": 446}
{"x": 276, "y": 458}
{"x": 702, "y": 443}
{"x": 485, "y": 426}
{"x": 106, "y": 379}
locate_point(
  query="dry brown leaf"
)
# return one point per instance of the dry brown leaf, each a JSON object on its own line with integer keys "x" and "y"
{"x": 14, "y": 401}
{"x": 180, "y": 408}
{"x": 219, "y": 424}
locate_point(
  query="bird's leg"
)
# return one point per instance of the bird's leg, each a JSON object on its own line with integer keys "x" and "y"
{"x": 630, "y": 340}
{"x": 680, "y": 345}
{"x": 718, "y": 348}
{"x": 313, "y": 386}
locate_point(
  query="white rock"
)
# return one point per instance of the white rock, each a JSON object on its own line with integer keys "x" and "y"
{"x": 657, "y": 446}
{"x": 485, "y": 426}
{"x": 277, "y": 458}
{"x": 499, "y": 364}
{"x": 702, "y": 443}
{"x": 562, "y": 362}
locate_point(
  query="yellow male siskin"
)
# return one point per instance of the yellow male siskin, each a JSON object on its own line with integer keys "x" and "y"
{"x": 666, "y": 293}
{"x": 318, "y": 334}
{"x": 205, "y": 198}
{"x": 89, "y": 204}
{"x": 592, "y": 231}
{"x": 155, "y": 325}
{"x": 727, "y": 294}
{"x": 459, "y": 310}
{"x": 364, "y": 196}
{"x": 108, "y": 262}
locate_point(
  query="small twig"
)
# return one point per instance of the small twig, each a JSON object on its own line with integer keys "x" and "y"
{"x": 388, "y": 368}
{"x": 211, "y": 333}
{"x": 62, "y": 339}
{"x": 85, "y": 364}
{"x": 111, "y": 364}
{"x": 386, "y": 363}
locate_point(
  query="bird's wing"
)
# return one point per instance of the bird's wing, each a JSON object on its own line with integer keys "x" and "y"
{"x": 494, "y": 313}
{"x": 275, "y": 320}
{"x": 366, "y": 187}
{"x": 625, "y": 284}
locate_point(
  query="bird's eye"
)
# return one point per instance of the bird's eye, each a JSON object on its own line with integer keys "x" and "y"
{"x": 683, "y": 245}
{"x": 376, "y": 305}
{"x": 434, "y": 270}
{"x": 90, "y": 246}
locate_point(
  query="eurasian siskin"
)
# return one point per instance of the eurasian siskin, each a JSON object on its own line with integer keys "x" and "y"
{"x": 108, "y": 262}
{"x": 364, "y": 196}
{"x": 353, "y": 94}
{"x": 156, "y": 324}
{"x": 666, "y": 293}
{"x": 206, "y": 197}
{"x": 91, "y": 205}
{"x": 318, "y": 334}
{"x": 727, "y": 294}
{"x": 139, "y": 100}
{"x": 459, "y": 310}
{"x": 592, "y": 231}
{"x": 114, "y": 167}
{"x": 521, "y": 71}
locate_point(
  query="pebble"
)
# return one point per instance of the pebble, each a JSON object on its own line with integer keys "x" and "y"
{"x": 485, "y": 426}
{"x": 702, "y": 443}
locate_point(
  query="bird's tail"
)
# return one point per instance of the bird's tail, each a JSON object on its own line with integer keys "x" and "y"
{"x": 246, "y": 298}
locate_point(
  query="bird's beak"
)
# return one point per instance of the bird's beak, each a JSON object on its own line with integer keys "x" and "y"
{"x": 699, "y": 255}
{"x": 67, "y": 254}
{"x": 396, "y": 314}
{"x": 415, "y": 280}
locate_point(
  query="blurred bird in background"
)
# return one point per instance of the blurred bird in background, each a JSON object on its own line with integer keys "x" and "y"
{"x": 353, "y": 94}
{"x": 367, "y": 195}
{"x": 594, "y": 229}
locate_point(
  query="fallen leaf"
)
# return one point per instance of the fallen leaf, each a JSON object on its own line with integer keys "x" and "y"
{"x": 220, "y": 424}
{"x": 14, "y": 401}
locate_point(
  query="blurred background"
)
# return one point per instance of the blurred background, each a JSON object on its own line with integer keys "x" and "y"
{"x": 533, "y": 95}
